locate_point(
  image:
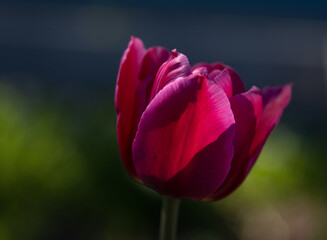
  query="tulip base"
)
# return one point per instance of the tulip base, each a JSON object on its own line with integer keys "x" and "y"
{"x": 168, "y": 219}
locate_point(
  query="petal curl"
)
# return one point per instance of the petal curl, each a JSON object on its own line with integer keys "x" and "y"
{"x": 247, "y": 109}
{"x": 275, "y": 101}
{"x": 183, "y": 146}
{"x": 176, "y": 66}
{"x": 236, "y": 82}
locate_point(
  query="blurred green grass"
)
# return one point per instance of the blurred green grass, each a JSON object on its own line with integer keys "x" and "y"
{"x": 61, "y": 178}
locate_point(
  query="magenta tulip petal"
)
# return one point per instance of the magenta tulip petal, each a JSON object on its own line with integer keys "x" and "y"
{"x": 247, "y": 109}
{"x": 197, "y": 66}
{"x": 237, "y": 84}
{"x": 183, "y": 132}
{"x": 176, "y": 66}
{"x": 127, "y": 108}
{"x": 152, "y": 61}
{"x": 200, "y": 71}
{"x": 203, "y": 174}
{"x": 223, "y": 80}
{"x": 275, "y": 101}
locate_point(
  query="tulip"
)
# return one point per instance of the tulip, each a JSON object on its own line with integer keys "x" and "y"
{"x": 190, "y": 132}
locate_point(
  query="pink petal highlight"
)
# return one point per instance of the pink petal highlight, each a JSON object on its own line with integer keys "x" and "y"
{"x": 223, "y": 80}
{"x": 176, "y": 66}
{"x": 185, "y": 129}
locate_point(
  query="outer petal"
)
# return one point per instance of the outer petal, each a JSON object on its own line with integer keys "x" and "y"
{"x": 176, "y": 66}
{"x": 236, "y": 82}
{"x": 275, "y": 101}
{"x": 137, "y": 71}
{"x": 247, "y": 108}
{"x": 183, "y": 132}
{"x": 125, "y": 100}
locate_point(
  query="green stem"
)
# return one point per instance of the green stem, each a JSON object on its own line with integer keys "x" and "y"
{"x": 168, "y": 220}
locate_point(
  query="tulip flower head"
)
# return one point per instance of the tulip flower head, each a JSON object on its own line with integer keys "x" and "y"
{"x": 190, "y": 131}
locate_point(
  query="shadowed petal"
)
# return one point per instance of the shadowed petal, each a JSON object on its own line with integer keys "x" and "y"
{"x": 181, "y": 128}
{"x": 275, "y": 101}
{"x": 247, "y": 108}
{"x": 151, "y": 63}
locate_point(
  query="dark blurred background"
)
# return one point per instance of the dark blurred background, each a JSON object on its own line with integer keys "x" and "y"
{"x": 60, "y": 172}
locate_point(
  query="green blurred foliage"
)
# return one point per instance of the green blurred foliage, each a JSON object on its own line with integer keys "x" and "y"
{"x": 39, "y": 166}
{"x": 61, "y": 178}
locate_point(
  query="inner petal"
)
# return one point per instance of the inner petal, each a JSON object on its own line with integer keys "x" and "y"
{"x": 176, "y": 66}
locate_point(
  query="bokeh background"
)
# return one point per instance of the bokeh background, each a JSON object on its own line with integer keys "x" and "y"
{"x": 60, "y": 171}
